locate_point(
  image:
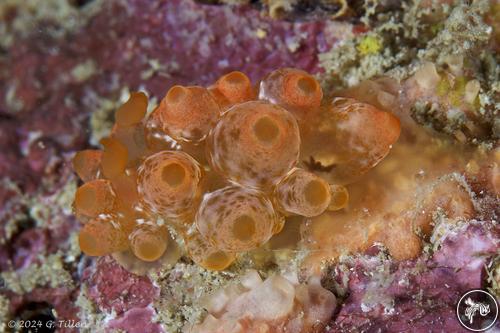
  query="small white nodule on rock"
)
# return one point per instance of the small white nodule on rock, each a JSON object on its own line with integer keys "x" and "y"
{"x": 427, "y": 76}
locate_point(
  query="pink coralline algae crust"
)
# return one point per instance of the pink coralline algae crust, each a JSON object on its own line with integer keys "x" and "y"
{"x": 29, "y": 244}
{"x": 226, "y": 40}
{"x": 113, "y": 288}
{"x": 467, "y": 254}
{"x": 418, "y": 295}
{"x": 137, "y": 320}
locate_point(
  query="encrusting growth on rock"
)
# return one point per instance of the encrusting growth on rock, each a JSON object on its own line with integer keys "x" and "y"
{"x": 224, "y": 166}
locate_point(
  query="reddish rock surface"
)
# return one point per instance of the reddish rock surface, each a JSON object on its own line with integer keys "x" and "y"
{"x": 418, "y": 295}
{"x": 112, "y": 288}
{"x": 137, "y": 320}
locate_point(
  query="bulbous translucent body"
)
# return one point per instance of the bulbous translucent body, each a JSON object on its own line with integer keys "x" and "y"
{"x": 128, "y": 128}
{"x": 133, "y": 138}
{"x": 340, "y": 197}
{"x": 232, "y": 88}
{"x": 254, "y": 144}
{"x": 188, "y": 113}
{"x": 87, "y": 164}
{"x": 303, "y": 193}
{"x": 156, "y": 138}
{"x": 94, "y": 198}
{"x": 295, "y": 90}
{"x": 382, "y": 93}
{"x": 114, "y": 158}
{"x": 236, "y": 219}
{"x": 220, "y": 168}
{"x": 347, "y": 139}
{"x": 148, "y": 242}
{"x": 133, "y": 111}
{"x": 202, "y": 252}
{"x": 169, "y": 184}
{"x": 101, "y": 236}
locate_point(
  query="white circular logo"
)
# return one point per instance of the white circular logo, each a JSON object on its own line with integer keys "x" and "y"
{"x": 477, "y": 310}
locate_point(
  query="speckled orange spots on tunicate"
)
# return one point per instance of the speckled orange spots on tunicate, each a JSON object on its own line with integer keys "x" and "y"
{"x": 169, "y": 184}
{"x": 100, "y": 237}
{"x": 254, "y": 144}
{"x": 293, "y": 89}
{"x": 188, "y": 113}
{"x": 236, "y": 219}
{"x": 205, "y": 254}
{"x": 302, "y": 193}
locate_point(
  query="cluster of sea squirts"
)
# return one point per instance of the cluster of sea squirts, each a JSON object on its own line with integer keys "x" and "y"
{"x": 224, "y": 166}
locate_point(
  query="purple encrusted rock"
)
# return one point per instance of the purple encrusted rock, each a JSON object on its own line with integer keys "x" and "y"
{"x": 417, "y": 295}
{"x": 113, "y": 288}
{"x": 137, "y": 320}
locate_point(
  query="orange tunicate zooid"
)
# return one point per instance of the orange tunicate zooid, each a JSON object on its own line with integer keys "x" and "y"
{"x": 87, "y": 164}
{"x": 346, "y": 139}
{"x": 94, "y": 197}
{"x": 294, "y": 89}
{"x": 303, "y": 193}
{"x": 133, "y": 111}
{"x": 169, "y": 184}
{"x": 129, "y": 129}
{"x": 148, "y": 242}
{"x": 114, "y": 158}
{"x": 232, "y": 88}
{"x": 254, "y": 144}
{"x": 188, "y": 113}
{"x": 236, "y": 218}
{"x": 202, "y": 252}
{"x": 340, "y": 197}
{"x": 102, "y": 236}
{"x": 156, "y": 138}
